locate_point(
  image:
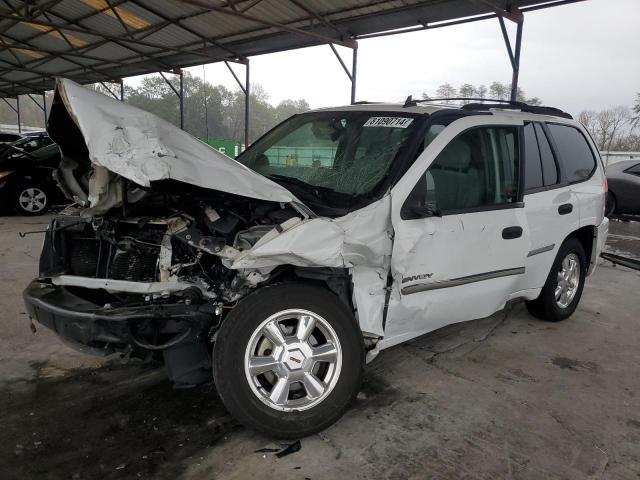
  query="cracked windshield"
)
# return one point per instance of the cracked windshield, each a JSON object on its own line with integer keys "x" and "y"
{"x": 333, "y": 160}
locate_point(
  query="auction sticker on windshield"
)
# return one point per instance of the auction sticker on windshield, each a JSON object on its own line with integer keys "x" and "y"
{"x": 394, "y": 122}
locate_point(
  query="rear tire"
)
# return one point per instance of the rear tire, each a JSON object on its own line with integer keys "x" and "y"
{"x": 562, "y": 280}
{"x": 321, "y": 375}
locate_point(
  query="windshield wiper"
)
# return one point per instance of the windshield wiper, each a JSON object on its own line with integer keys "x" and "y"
{"x": 300, "y": 183}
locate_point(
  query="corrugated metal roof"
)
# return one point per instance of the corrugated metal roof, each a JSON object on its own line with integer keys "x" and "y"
{"x": 103, "y": 40}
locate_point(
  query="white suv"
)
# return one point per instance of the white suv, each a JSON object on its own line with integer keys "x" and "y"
{"x": 338, "y": 234}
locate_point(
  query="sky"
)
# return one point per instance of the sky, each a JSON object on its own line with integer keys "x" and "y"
{"x": 575, "y": 57}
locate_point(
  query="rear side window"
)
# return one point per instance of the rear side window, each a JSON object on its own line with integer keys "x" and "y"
{"x": 549, "y": 165}
{"x": 635, "y": 169}
{"x": 532, "y": 164}
{"x": 575, "y": 153}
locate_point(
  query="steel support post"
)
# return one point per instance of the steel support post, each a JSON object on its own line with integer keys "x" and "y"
{"x": 354, "y": 71}
{"x": 179, "y": 93}
{"x": 44, "y": 108}
{"x": 516, "y": 63}
{"x": 18, "y": 113}
{"x": 121, "y": 90}
{"x": 354, "y": 65}
{"x": 181, "y": 100}
{"x": 247, "y": 105}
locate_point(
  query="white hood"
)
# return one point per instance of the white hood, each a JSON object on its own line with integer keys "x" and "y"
{"x": 143, "y": 148}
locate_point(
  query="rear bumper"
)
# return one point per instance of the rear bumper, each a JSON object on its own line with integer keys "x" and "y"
{"x": 102, "y": 329}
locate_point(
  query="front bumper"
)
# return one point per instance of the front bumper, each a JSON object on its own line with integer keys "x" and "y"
{"x": 103, "y": 329}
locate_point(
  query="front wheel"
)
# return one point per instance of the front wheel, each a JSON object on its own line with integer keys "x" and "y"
{"x": 563, "y": 289}
{"x": 288, "y": 360}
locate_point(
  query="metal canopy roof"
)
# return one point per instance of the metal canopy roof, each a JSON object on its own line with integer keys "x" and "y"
{"x": 105, "y": 40}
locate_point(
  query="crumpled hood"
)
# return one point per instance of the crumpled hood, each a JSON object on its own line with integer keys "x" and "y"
{"x": 143, "y": 148}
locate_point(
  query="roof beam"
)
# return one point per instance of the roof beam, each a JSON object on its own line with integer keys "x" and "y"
{"x": 511, "y": 13}
{"x": 179, "y": 23}
{"x": 113, "y": 38}
{"x": 316, "y": 15}
{"x": 278, "y": 26}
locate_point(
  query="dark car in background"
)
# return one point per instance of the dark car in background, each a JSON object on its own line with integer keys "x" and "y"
{"x": 9, "y": 137}
{"x": 26, "y": 169}
{"x": 624, "y": 188}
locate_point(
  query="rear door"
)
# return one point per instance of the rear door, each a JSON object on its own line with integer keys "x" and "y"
{"x": 550, "y": 205}
{"x": 461, "y": 236}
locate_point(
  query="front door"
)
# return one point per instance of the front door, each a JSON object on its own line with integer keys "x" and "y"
{"x": 460, "y": 230}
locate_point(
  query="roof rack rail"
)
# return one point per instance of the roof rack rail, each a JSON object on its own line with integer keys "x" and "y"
{"x": 495, "y": 103}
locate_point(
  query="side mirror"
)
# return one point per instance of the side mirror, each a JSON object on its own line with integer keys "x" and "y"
{"x": 413, "y": 212}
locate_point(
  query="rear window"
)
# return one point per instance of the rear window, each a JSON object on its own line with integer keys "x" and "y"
{"x": 575, "y": 153}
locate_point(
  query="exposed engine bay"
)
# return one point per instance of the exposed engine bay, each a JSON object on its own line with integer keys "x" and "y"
{"x": 176, "y": 239}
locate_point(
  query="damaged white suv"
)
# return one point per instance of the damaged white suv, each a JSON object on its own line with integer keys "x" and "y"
{"x": 338, "y": 234}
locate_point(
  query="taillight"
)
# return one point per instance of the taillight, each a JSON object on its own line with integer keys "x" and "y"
{"x": 606, "y": 196}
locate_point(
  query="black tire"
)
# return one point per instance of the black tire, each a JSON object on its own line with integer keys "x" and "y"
{"x": 545, "y": 306}
{"x": 40, "y": 195}
{"x": 610, "y": 208}
{"x": 229, "y": 360}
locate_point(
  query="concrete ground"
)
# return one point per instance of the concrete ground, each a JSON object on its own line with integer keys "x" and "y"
{"x": 503, "y": 397}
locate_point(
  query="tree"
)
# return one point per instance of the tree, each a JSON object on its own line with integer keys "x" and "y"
{"x": 636, "y": 110}
{"x": 499, "y": 91}
{"x": 611, "y": 128}
{"x": 211, "y": 111}
{"x": 588, "y": 119}
{"x": 481, "y": 91}
{"x": 466, "y": 90}
{"x": 446, "y": 90}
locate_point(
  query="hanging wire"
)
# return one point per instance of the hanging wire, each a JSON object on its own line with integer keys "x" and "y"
{"x": 206, "y": 112}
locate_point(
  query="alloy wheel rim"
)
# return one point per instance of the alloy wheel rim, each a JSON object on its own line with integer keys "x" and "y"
{"x": 32, "y": 200}
{"x": 568, "y": 280}
{"x": 293, "y": 360}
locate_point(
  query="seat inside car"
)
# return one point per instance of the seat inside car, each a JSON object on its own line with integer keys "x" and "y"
{"x": 458, "y": 183}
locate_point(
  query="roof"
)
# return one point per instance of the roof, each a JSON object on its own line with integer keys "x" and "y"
{"x": 105, "y": 40}
{"x": 430, "y": 108}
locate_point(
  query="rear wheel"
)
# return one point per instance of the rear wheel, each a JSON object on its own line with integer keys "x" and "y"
{"x": 31, "y": 199}
{"x": 288, "y": 360}
{"x": 563, "y": 289}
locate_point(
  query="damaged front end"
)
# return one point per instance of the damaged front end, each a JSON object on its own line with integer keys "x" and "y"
{"x": 167, "y": 235}
{"x": 138, "y": 284}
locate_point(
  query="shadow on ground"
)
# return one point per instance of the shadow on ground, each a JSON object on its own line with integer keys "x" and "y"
{"x": 109, "y": 422}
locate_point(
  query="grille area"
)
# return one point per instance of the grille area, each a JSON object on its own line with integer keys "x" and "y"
{"x": 83, "y": 257}
{"x": 136, "y": 265}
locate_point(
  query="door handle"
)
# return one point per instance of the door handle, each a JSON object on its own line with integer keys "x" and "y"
{"x": 565, "y": 208}
{"x": 510, "y": 233}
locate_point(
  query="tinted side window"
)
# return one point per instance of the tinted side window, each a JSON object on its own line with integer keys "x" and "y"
{"x": 549, "y": 165}
{"x": 479, "y": 168}
{"x": 532, "y": 165}
{"x": 575, "y": 153}
{"x": 635, "y": 169}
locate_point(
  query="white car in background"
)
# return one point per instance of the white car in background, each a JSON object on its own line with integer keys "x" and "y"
{"x": 338, "y": 234}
